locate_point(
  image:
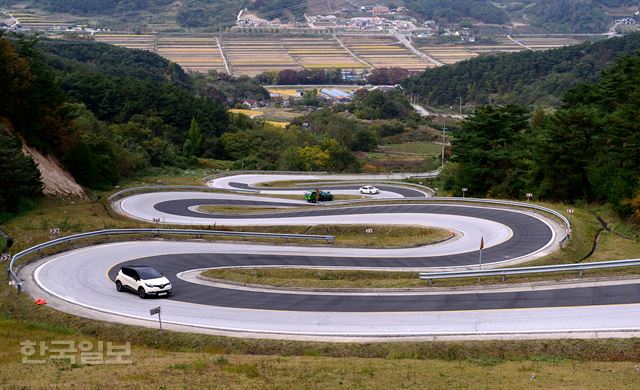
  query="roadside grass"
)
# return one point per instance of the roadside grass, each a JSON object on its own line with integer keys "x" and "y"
{"x": 169, "y": 368}
{"x": 316, "y": 278}
{"x": 382, "y": 236}
{"x": 181, "y": 359}
{"x": 407, "y": 156}
{"x": 327, "y": 278}
{"x": 191, "y": 177}
{"x": 160, "y": 368}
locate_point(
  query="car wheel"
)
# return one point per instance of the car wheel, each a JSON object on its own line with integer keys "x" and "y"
{"x": 118, "y": 286}
{"x": 141, "y": 293}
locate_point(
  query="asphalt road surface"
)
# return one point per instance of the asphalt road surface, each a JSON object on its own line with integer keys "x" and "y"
{"x": 84, "y": 277}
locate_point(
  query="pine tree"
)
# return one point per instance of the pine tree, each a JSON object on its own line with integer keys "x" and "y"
{"x": 194, "y": 141}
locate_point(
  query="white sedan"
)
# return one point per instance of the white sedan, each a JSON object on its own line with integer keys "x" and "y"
{"x": 371, "y": 190}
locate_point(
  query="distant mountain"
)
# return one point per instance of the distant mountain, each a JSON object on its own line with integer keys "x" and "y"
{"x": 524, "y": 77}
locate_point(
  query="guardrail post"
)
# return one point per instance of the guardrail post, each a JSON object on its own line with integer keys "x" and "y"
{"x": 580, "y": 275}
{"x": 430, "y": 282}
{"x": 503, "y": 278}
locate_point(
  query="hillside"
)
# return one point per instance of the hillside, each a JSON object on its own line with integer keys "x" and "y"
{"x": 587, "y": 150}
{"x": 524, "y": 78}
{"x": 103, "y": 112}
{"x": 549, "y": 16}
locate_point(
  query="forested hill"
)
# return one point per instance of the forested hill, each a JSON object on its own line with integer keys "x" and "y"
{"x": 114, "y": 61}
{"x": 587, "y": 150}
{"x": 530, "y": 78}
{"x": 104, "y": 112}
{"x": 117, "y": 84}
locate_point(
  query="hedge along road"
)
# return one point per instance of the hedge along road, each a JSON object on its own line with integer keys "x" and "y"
{"x": 85, "y": 277}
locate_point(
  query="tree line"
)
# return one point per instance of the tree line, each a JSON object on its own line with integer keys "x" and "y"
{"x": 587, "y": 150}
{"x": 528, "y": 78}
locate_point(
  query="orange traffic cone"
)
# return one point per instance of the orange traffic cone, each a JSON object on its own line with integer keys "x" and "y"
{"x": 40, "y": 301}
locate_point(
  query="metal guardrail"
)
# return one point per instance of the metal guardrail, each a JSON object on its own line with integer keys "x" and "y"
{"x": 504, "y": 272}
{"x": 128, "y": 191}
{"x": 112, "y": 232}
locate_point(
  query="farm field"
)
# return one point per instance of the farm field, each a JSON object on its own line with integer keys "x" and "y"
{"x": 537, "y": 43}
{"x": 195, "y": 54}
{"x": 280, "y": 117}
{"x": 250, "y": 113}
{"x": 450, "y": 54}
{"x": 253, "y": 56}
{"x": 320, "y": 53}
{"x": 41, "y": 22}
{"x": 385, "y": 52}
{"x": 131, "y": 41}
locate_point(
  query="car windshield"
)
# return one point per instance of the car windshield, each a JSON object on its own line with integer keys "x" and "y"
{"x": 148, "y": 273}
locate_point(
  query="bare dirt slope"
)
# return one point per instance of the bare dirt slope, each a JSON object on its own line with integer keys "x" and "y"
{"x": 56, "y": 181}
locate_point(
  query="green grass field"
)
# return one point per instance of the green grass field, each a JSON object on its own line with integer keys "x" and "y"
{"x": 421, "y": 148}
{"x": 408, "y": 156}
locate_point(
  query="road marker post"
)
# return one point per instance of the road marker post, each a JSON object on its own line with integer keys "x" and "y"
{"x": 156, "y": 310}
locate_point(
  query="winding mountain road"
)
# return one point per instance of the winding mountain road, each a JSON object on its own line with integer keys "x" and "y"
{"x": 81, "y": 281}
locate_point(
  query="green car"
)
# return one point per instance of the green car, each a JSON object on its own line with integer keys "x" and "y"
{"x": 311, "y": 196}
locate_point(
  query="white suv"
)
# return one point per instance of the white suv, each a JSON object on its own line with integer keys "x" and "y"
{"x": 143, "y": 280}
{"x": 369, "y": 190}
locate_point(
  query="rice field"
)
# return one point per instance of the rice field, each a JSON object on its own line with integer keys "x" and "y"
{"x": 194, "y": 54}
{"x": 37, "y": 22}
{"x": 284, "y": 91}
{"x": 249, "y": 113}
{"x": 320, "y": 53}
{"x": 385, "y": 52}
{"x": 278, "y": 123}
{"x": 252, "y": 56}
{"x": 450, "y": 54}
{"x": 131, "y": 41}
{"x": 538, "y": 43}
